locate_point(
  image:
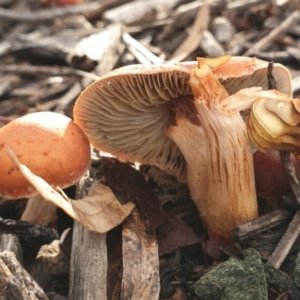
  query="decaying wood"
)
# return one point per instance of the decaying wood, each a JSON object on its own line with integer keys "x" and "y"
{"x": 15, "y": 282}
{"x": 261, "y": 224}
{"x": 286, "y": 243}
{"x": 140, "y": 260}
{"x": 242, "y": 5}
{"x": 88, "y": 266}
{"x": 10, "y": 243}
{"x": 50, "y": 261}
{"x": 128, "y": 184}
{"x": 30, "y": 235}
{"x": 293, "y": 231}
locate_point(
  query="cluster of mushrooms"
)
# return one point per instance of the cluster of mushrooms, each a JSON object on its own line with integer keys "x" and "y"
{"x": 192, "y": 120}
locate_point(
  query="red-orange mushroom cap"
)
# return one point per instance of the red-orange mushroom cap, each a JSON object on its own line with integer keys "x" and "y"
{"x": 51, "y": 145}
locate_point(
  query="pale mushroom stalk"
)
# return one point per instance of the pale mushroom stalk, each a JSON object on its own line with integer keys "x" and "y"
{"x": 227, "y": 197}
{"x": 190, "y": 139}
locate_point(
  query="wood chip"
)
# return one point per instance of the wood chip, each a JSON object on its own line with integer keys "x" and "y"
{"x": 195, "y": 36}
{"x": 140, "y": 260}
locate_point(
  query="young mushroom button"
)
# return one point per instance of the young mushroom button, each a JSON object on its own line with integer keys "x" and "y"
{"x": 129, "y": 111}
{"x": 51, "y": 145}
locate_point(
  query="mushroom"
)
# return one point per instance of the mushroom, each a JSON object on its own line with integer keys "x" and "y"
{"x": 148, "y": 114}
{"x": 51, "y": 145}
{"x": 274, "y": 122}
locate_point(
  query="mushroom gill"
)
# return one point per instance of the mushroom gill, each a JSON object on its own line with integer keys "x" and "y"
{"x": 126, "y": 114}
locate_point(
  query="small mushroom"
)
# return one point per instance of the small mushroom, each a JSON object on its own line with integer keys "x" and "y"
{"x": 274, "y": 122}
{"x": 50, "y": 144}
{"x": 148, "y": 114}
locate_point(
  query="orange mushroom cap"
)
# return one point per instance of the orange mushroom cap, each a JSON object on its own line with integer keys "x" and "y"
{"x": 51, "y": 145}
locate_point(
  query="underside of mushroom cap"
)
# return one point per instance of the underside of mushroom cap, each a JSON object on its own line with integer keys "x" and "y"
{"x": 125, "y": 114}
{"x": 127, "y": 111}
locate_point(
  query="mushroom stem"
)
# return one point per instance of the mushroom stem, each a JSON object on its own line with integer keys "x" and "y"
{"x": 39, "y": 211}
{"x": 231, "y": 197}
{"x": 190, "y": 140}
{"x": 218, "y": 155}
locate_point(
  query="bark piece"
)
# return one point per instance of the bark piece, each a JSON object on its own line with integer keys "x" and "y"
{"x": 10, "y": 242}
{"x": 129, "y": 184}
{"x": 193, "y": 40}
{"x": 88, "y": 270}
{"x": 140, "y": 260}
{"x": 293, "y": 231}
{"x": 88, "y": 264}
{"x": 8, "y": 83}
{"x": 284, "y": 246}
{"x": 50, "y": 262}
{"x": 15, "y": 282}
{"x": 261, "y": 224}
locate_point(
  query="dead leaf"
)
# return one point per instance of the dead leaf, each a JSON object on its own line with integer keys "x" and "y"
{"x": 128, "y": 184}
{"x": 213, "y": 249}
{"x": 174, "y": 234}
{"x": 140, "y": 260}
{"x": 100, "y": 211}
